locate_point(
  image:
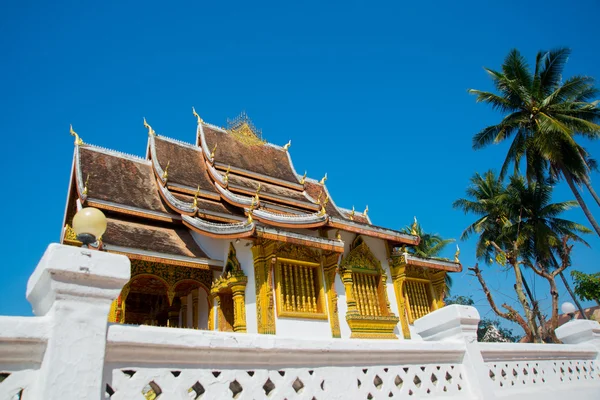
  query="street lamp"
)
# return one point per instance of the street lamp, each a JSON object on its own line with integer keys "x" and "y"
{"x": 89, "y": 224}
{"x": 568, "y": 308}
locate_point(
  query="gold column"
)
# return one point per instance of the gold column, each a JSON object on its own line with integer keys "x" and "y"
{"x": 120, "y": 312}
{"x": 346, "y": 275}
{"x": 398, "y": 269}
{"x": 195, "y": 308}
{"x": 329, "y": 268}
{"x": 112, "y": 314}
{"x": 211, "y": 312}
{"x": 265, "y": 315}
{"x": 184, "y": 300}
{"x": 218, "y": 312}
{"x": 238, "y": 288}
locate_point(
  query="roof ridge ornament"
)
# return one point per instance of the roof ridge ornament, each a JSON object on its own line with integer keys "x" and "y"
{"x": 303, "y": 180}
{"x": 212, "y": 153}
{"x": 413, "y": 228}
{"x": 242, "y": 128}
{"x": 366, "y": 210}
{"x": 287, "y": 146}
{"x": 195, "y": 114}
{"x": 85, "y": 186}
{"x": 150, "y": 130}
{"x": 196, "y": 197}
{"x": 323, "y": 204}
{"x": 250, "y": 220}
{"x": 456, "y": 260}
{"x": 324, "y": 179}
{"x": 165, "y": 174}
{"x": 351, "y": 216}
{"x": 78, "y": 141}
{"x": 226, "y": 178}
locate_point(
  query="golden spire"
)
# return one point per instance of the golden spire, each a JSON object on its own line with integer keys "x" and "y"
{"x": 287, "y": 146}
{"x": 323, "y": 179}
{"x": 85, "y": 185}
{"x": 303, "y": 178}
{"x": 78, "y": 141}
{"x": 351, "y": 216}
{"x": 366, "y": 210}
{"x": 150, "y": 130}
{"x": 413, "y": 228}
{"x": 165, "y": 174}
{"x": 212, "y": 153}
{"x": 226, "y": 178}
{"x": 196, "y": 197}
{"x": 196, "y": 115}
{"x": 456, "y": 260}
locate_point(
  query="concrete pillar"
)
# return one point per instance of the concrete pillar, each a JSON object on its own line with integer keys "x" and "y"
{"x": 580, "y": 331}
{"x": 74, "y": 288}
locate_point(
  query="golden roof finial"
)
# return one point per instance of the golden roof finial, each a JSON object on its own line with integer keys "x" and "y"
{"x": 196, "y": 197}
{"x": 323, "y": 204}
{"x": 456, "y": 260}
{"x": 303, "y": 178}
{"x": 78, "y": 141}
{"x": 287, "y": 146}
{"x": 338, "y": 235}
{"x": 150, "y": 130}
{"x": 323, "y": 179}
{"x": 196, "y": 115}
{"x": 366, "y": 210}
{"x": 413, "y": 228}
{"x": 256, "y": 198}
{"x": 226, "y": 178}
{"x": 250, "y": 220}
{"x": 165, "y": 174}
{"x": 212, "y": 153}
{"x": 85, "y": 186}
{"x": 319, "y": 198}
{"x": 351, "y": 216}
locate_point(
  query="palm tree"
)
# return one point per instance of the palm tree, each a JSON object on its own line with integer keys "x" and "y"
{"x": 543, "y": 116}
{"x": 519, "y": 226}
{"x": 431, "y": 245}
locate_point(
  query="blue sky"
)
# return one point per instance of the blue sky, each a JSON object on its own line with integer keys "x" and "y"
{"x": 373, "y": 93}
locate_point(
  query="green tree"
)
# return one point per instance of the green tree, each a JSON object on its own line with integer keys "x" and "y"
{"x": 517, "y": 225}
{"x": 587, "y": 286}
{"x": 543, "y": 114}
{"x": 431, "y": 245}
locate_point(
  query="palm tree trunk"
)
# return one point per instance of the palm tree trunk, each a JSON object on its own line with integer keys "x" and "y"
{"x": 584, "y": 208}
{"x": 588, "y": 184}
{"x": 575, "y": 299}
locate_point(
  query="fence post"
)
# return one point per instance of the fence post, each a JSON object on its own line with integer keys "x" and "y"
{"x": 74, "y": 287}
{"x": 458, "y": 323}
{"x": 580, "y": 331}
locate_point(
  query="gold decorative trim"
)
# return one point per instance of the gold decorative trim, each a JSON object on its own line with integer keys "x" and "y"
{"x": 263, "y": 253}
{"x": 330, "y": 263}
{"x": 107, "y": 207}
{"x": 233, "y": 282}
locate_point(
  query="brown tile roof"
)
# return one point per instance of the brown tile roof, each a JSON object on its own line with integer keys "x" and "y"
{"x": 143, "y": 236}
{"x": 120, "y": 180}
{"x": 252, "y": 185}
{"x": 211, "y": 206}
{"x": 262, "y": 159}
{"x": 315, "y": 190}
{"x": 187, "y": 166}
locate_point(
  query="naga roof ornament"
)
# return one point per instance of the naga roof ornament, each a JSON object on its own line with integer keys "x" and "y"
{"x": 165, "y": 174}
{"x": 212, "y": 153}
{"x": 366, "y": 210}
{"x": 150, "y": 130}
{"x": 324, "y": 179}
{"x": 287, "y": 146}
{"x": 413, "y": 228}
{"x": 456, "y": 260}
{"x": 78, "y": 141}
{"x": 303, "y": 178}
{"x": 195, "y": 114}
{"x": 85, "y": 186}
{"x": 351, "y": 216}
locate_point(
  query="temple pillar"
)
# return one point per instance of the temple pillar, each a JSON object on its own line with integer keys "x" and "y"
{"x": 330, "y": 262}
{"x": 238, "y": 290}
{"x": 211, "y": 313}
{"x": 184, "y": 311}
{"x": 195, "y": 308}
{"x": 398, "y": 270}
{"x": 346, "y": 276}
{"x": 263, "y": 254}
{"x": 173, "y": 318}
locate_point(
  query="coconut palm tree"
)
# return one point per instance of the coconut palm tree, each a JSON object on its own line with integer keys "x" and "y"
{"x": 518, "y": 225}
{"x": 544, "y": 116}
{"x": 431, "y": 245}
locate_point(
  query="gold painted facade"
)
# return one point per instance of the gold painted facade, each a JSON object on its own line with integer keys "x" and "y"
{"x": 330, "y": 264}
{"x": 369, "y": 314}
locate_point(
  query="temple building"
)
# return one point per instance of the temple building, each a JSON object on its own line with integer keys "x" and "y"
{"x": 223, "y": 234}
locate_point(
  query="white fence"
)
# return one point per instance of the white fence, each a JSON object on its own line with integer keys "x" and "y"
{"x": 69, "y": 351}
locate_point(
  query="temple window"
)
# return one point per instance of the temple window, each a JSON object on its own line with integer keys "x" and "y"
{"x": 299, "y": 289}
{"x": 369, "y": 314}
{"x": 418, "y": 297}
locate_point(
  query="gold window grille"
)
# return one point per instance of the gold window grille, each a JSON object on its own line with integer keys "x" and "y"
{"x": 299, "y": 289}
{"x": 366, "y": 292}
{"x": 418, "y": 297}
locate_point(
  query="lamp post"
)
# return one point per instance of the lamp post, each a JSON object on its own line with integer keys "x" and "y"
{"x": 569, "y": 309}
{"x": 89, "y": 224}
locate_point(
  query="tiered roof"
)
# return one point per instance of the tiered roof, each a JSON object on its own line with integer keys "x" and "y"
{"x": 230, "y": 184}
